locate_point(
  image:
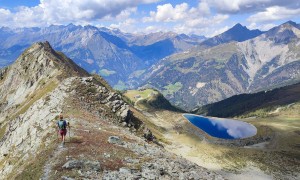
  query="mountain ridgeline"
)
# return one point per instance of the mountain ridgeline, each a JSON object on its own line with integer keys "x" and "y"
{"x": 190, "y": 71}
{"x": 205, "y": 75}
{"x": 109, "y": 53}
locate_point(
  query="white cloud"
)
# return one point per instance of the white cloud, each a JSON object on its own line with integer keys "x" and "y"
{"x": 127, "y": 25}
{"x": 274, "y": 13}
{"x": 5, "y": 15}
{"x": 60, "y": 12}
{"x": 218, "y": 31}
{"x": 262, "y": 27}
{"x": 186, "y": 19}
{"x": 246, "y": 6}
{"x": 232, "y": 6}
{"x": 168, "y": 13}
{"x": 204, "y": 8}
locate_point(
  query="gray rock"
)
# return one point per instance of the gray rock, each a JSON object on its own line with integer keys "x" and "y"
{"x": 124, "y": 171}
{"x": 92, "y": 165}
{"x": 150, "y": 174}
{"x": 72, "y": 164}
{"x": 114, "y": 140}
{"x": 67, "y": 178}
{"x": 131, "y": 161}
{"x": 106, "y": 155}
{"x": 80, "y": 164}
{"x": 88, "y": 79}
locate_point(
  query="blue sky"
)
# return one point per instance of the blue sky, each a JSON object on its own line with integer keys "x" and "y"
{"x": 202, "y": 17}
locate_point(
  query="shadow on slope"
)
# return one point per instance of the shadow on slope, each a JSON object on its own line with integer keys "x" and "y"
{"x": 242, "y": 104}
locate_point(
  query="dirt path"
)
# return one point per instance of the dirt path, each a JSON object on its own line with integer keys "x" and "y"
{"x": 50, "y": 162}
{"x": 56, "y": 154}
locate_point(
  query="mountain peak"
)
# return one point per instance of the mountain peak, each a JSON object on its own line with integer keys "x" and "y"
{"x": 238, "y": 25}
{"x": 45, "y": 46}
{"x": 290, "y": 23}
{"x": 238, "y": 28}
{"x": 284, "y": 33}
{"x": 42, "y": 53}
{"x": 237, "y": 33}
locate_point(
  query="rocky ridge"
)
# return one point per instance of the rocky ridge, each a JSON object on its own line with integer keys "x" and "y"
{"x": 28, "y": 135}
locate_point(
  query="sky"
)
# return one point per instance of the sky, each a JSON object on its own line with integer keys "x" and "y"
{"x": 201, "y": 17}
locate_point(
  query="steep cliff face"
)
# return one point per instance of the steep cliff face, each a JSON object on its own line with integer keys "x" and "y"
{"x": 105, "y": 135}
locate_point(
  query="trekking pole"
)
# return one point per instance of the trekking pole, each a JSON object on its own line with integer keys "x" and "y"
{"x": 57, "y": 132}
{"x": 69, "y": 133}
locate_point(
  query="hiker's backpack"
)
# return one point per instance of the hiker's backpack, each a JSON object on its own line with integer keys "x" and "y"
{"x": 62, "y": 125}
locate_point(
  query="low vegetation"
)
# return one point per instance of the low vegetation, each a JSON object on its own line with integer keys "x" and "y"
{"x": 257, "y": 104}
{"x": 2, "y": 130}
{"x": 172, "y": 88}
{"x": 135, "y": 95}
{"x": 149, "y": 99}
{"x": 33, "y": 168}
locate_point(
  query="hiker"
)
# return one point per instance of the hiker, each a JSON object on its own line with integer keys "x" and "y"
{"x": 62, "y": 127}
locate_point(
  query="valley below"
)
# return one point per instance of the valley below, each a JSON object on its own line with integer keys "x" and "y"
{"x": 273, "y": 153}
{"x": 275, "y": 158}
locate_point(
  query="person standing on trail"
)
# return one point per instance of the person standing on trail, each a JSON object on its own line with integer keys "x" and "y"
{"x": 62, "y": 127}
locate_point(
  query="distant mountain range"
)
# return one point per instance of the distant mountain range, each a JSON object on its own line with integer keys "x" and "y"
{"x": 110, "y": 53}
{"x": 205, "y": 75}
{"x": 189, "y": 70}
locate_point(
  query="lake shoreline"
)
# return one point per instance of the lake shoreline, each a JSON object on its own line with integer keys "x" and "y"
{"x": 264, "y": 134}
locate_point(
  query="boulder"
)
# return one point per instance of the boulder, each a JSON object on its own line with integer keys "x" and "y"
{"x": 114, "y": 140}
{"x": 67, "y": 178}
{"x": 81, "y": 164}
{"x": 73, "y": 164}
{"x": 92, "y": 165}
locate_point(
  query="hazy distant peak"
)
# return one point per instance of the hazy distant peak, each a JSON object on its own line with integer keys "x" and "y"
{"x": 284, "y": 33}
{"x": 239, "y": 26}
{"x": 292, "y": 23}
{"x": 236, "y": 33}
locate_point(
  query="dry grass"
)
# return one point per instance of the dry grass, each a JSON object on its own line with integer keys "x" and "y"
{"x": 131, "y": 94}
{"x": 3, "y": 130}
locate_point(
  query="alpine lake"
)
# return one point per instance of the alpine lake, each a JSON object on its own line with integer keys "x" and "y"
{"x": 222, "y": 128}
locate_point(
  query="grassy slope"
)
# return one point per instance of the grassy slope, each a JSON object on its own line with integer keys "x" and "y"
{"x": 260, "y": 103}
{"x": 149, "y": 99}
{"x": 279, "y": 158}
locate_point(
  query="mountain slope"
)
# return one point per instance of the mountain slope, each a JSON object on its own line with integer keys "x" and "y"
{"x": 104, "y": 140}
{"x": 109, "y": 53}
{"x": 25, "y": 77}
{"x": 149, "y": 99}
{"x": 245, "y": 103}
{"x": 195, "y": 77}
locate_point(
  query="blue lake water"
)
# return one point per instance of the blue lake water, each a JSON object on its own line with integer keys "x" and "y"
{"x": 222, "y": 128}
